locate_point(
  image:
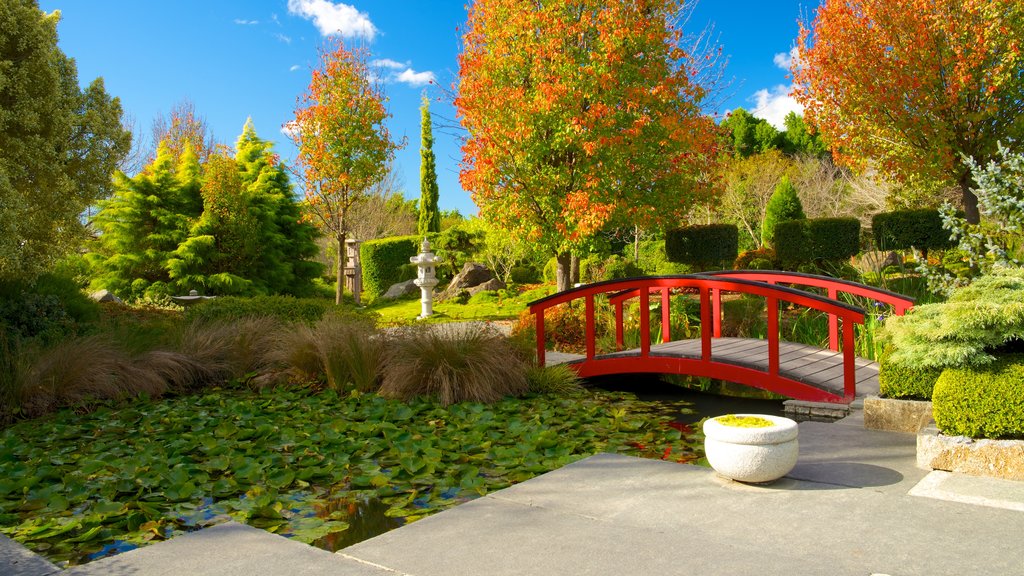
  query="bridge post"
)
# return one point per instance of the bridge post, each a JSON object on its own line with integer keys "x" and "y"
{"x": 590, "y": 326}
{"x": 849, "y": 366}
{"x": 619, "y": 344}
{"x": 833, "y": 324}
{"x": 716, "y": 311}
{"x": 666, "y": 326}
{"x": 645, "y": 322}
{"x": 705, "y": 324}
{"x": 773, "y": 336}
{"x": 539, "y": 316}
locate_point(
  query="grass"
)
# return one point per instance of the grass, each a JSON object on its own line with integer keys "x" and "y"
{"x": 75, "y": 487}
{"x": 501, "y": 305}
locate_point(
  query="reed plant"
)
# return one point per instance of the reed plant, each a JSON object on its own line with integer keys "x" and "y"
{"x": 347, "y": 352}
{"x": 453, "y": 365}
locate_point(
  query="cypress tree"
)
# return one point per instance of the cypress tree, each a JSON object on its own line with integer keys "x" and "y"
{"x": 430, "y": 217}
{"x": 783, "y": 205}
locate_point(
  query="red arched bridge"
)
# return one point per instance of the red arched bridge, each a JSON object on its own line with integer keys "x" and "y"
{"x": 796, "y": 370}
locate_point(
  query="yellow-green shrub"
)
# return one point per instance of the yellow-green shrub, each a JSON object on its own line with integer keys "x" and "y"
{"x": 982, "y": 402}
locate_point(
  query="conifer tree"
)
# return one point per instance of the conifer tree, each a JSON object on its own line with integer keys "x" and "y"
{"x": 782, "y": 206}
{"x": 143, "y": 223}
{"x": 430, "y": 217}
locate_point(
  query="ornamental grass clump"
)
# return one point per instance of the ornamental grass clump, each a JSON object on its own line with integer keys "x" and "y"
{"x": 558, "y": 380}
{"x": 453, "y": 365}
{"x": 348, "y": 352}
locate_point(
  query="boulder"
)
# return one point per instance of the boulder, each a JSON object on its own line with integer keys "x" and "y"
{"x": 401, "y": 290}
{"x": 472, "y": 274}
{"x": 105, "y": 296}
{"x": 492, "y": 284}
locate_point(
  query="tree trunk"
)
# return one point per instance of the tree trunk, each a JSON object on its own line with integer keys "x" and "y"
{"x": 636, "y": 245}
{"x": 574, "y": 269}
{"x": 969, "y": 200}
{"x": 563, "y": 271}
{"x": 340, "y": 260}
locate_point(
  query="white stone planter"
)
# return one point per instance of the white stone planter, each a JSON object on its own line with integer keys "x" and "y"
{"x": 759, "y": 454}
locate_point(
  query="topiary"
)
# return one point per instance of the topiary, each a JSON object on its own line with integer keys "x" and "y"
{"x": 906, "y": 229}
{"x": 902, "y": 381}
{"x": 782, "y": 206}
{"x": 702, "y": 246}
{"x": 982, "y": 402}
{"x": 383, "y": 261}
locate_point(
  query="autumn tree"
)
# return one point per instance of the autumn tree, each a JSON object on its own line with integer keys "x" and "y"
{"x": 59, "y": 143}
{"x": 343, "y": 145}
{"x": 921, "y": 87}
{"x": 184, "y": 127}
{"x": 429, "y": 217}
{"x": 580, "y": 114}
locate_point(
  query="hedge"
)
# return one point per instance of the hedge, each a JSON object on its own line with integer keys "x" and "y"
{"x": 901, "y": 381}
{"x": 703, "y": 246}
{"x": 905, "y": 229}
{"x": 383, "y": 261}
{"x": 982, "y": 402}
{"x": 798, "y": 241}
{"x": 284, "y": 308}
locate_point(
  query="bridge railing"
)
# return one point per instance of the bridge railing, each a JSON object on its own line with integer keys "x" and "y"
{"x": 706, "y": 286}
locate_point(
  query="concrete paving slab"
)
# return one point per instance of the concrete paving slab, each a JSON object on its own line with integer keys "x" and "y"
{"x": 992, "y": 492}
{"x": 17, "y": 560}
{"x": 690, "y": 521}
{"x": 229, "y": 549}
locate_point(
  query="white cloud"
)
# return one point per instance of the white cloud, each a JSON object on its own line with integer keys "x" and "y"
{"x": 774, "y": 104}
{"x": 388, "y": 63}
{"x": 294, "y": 67}
{"x": 785, "y": 60}
{"x": 413, "y": 78}
{"x": 290, "y": 129}
{"x": 246, "y": 22}
{"x": 331, "y": 18}
{"x": 283, "y": 38}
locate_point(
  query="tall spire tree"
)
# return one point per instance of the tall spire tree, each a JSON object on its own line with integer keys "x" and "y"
{"x": 344, "y": 146}
{"x": 430, "y": 217}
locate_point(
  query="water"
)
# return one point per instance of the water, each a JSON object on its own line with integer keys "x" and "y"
{"x": 650, "y": 387}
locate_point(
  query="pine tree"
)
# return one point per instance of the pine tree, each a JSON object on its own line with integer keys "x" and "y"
{"x": 783, "y": 205}
{"x": 143, "y": 223}
{"x": 430, "y": 217}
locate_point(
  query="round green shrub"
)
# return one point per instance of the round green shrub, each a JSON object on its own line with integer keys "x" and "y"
{"x": 524, "y": 275}
{"x": 617, "y": 267}
{"x": 982, "y": 402}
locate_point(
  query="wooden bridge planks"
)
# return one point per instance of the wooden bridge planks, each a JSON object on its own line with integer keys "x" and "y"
{"x": 812, "y": 365}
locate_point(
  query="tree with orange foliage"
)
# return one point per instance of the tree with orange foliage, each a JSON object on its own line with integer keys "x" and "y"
{"x": 580, "y": 114}
{"x": 344, "y": 148}
{"x": 918, "y": 86}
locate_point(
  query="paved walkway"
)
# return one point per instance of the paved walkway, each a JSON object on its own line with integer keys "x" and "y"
{"x": 855, "y": 504}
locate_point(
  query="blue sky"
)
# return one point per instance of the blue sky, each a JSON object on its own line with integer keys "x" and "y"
{"x": 243, "y": 58}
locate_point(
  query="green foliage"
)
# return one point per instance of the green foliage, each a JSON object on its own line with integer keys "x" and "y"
{"x": 798, "y": 140}
{"x": 143, "y": 224}
{"x": 782, "y": 206}
{"x": 280, "y": 458}
{"x": 614, "y": 267}
{"x": 382, "y": 262}
{"x": 905, "y": 381}
{"x": 283, "y": 308}
{"x": 905, "y": 229}
{"x": 50, "y": 307}
{"x": 966, "y": 330}
{"x": 58, "y": 143}
{"x": 558, "y": 380}
{"x": 453, "y": 364}
{"x": 457, "y": 245}
{"x": 524, "y": 275}
{"x": 703, "y": 246}
{"x": 982, "y": 402}
{"x": 816, "y": 240}
{"x": 749, "y": 134}
{"x": 429, "y": 217}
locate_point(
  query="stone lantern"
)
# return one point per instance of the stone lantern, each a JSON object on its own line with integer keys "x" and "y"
{"x": 426, "y": 279}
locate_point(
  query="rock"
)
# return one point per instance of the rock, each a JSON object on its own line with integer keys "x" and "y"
{"x": 875, "y": 261}
{"x": 895, "y": 415}
{"x": 105, "y": 296}
{"x": 992, "y": 458}
{"x": 472, "y": 274}
{"x": 401, "y": 290}
{"x": 492, "y": 284}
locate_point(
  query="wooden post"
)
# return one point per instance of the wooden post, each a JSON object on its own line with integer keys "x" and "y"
{"x": 590, "y": 326}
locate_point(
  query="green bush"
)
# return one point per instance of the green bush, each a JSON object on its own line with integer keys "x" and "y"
{"x": 524, "y": 275}
{"x": 982, "y": 402}
{"x": 793, "y": 243}
{"x": 782, "y": 206}
{"x": 905, "y": 229}
{"x": 967, "y": 330}
{"x": 704, "y": 246}
{"x": 818, "y": 239}
{"x": 615, "y": 268}
{"x": 901, "y": 381}
{"x": 383, "y": 261}
{"x": 284, "y": 308}
{"x": 49, "y": 308}
{"x": 760, "y": 259}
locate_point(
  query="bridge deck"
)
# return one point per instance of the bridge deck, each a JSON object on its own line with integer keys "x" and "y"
{"x": 810, "y": 364}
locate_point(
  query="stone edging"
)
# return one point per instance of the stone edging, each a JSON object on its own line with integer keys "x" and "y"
{"x": 895, "y": 415}
{"x": 993, "y": 458}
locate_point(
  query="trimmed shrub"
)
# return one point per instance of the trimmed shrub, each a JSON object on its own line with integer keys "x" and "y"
{"x": 782, "y": 206}
{"x": 383, "y": 263}
{"x": 793, "y": 243}
{"x": 982, "y": 402}
{"x": 703, "y": 246}
{"x": 283, "y": 308}
{"x": 760, "y": 259}
{"x": 905, "y": 229}
{"x": 834, "y": 238}
{"x": 901, "y": 381}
